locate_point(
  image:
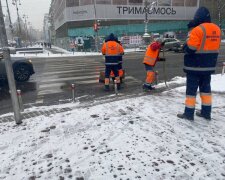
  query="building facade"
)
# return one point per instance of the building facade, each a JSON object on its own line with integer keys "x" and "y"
{"x": 74, "y": 18}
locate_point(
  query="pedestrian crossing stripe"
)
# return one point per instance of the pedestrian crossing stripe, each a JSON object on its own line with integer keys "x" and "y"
{"x": 71, "y": 71}
{"x": 61, "y": 74}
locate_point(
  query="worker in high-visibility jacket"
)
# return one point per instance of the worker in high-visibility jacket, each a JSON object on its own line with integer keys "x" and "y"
{"x": 120, "y": 65}
{"x": 112, "y": 50}
{"x": 201, "y": 53}
{"x": 150, "y": 59}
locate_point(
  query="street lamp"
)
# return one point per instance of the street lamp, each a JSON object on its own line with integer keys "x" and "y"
{"x": 148, "y": 8}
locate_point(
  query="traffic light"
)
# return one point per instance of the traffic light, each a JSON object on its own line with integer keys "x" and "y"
{"x": 95, "y": 27}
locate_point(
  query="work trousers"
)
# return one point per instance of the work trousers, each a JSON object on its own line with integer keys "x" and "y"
{"x": 150, "y": 76}
{"x": 114, "y": 69}
{"x": 202, "y": 82}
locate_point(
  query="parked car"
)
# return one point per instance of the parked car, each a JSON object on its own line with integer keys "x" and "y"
{"x": 22, "y": 68}
{"x": 171, "y": 43}
{"x": 178, "y": 49}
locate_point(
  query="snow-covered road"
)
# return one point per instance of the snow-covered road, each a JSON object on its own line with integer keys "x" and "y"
{"x": 136, "y": 138}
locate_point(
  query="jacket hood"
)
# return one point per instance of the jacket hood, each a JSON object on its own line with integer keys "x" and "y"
{"x": 192, "y": 24}
{"x": 111, "y": 37}
{"x": 202, "y": 15}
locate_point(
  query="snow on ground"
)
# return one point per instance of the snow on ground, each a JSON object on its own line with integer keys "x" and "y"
{"x": 62, "y": 53}
{"x": 136, "y": 138}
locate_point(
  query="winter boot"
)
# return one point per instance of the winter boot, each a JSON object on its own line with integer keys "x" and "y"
{"x": 199, "y": 114}
{"x": 106, "y": 88}
{"x": 184, "y": 116}
{"x": 148, "y": 87}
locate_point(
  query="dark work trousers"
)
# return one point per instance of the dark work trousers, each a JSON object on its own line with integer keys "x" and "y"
{"x": 120, "y": 62}
{"x": 109, "y": 68}
{"x": 120, "y": 66}
{"x": 193, "y": 83}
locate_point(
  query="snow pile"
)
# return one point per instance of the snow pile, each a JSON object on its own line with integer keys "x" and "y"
{"x": 138, "y": 138}
{"x": 47, "y": 53}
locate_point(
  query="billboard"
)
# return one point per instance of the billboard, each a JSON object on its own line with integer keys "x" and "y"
{"x": 162, "y": 10}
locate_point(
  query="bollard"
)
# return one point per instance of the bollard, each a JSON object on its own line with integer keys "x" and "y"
{"x": 223, "y": 69}
{"x": 156, "y": 77}
{"x": 115, "y": 87}
{"x": 73, "y": 91}
{"x": 48, "y": 53}
{"x": 20, "y": 100}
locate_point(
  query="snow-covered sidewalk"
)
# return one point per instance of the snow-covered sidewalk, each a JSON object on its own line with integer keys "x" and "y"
{"x": 136, "y": 138}
{"x": 61, "y": 53}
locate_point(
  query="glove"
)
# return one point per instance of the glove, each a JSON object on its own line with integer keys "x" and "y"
{"x": 161, "y": 59}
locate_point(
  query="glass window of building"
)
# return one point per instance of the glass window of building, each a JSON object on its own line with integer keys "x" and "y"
{"x": 191, "y": 3}
{"x": 85, "y": 2}
{"x": 177, "y": 2}
{"x": 103, "y": 1}
{"x": 164, "y": 2}
{"x": 135, "y": 2}
{"x": 119, "y": 2}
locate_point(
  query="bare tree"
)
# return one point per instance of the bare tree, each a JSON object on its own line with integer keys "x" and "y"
{"x": 220, "y": 7}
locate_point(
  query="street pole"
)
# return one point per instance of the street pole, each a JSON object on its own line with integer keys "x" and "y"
{"x": 25, "y": 26}
{"x": 8, "y": 66}
{"x": 18, "y": 17}
{"x": 146, "y": 35}
{"x": 15, "y": 2}
{"x": 146, "y": 18}
{"x": 96, "y": 32}
{"x": 10, "y": 21}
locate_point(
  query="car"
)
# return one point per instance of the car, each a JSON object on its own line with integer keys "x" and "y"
{"x": 178, "y": 49}
{"x": 22, "y": 68}
{"x": 171, "y": 43}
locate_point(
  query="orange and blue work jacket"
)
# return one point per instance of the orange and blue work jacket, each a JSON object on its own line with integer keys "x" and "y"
{"x": 202, "y": 49}
{"x": 152, "y": 54}
{"x": 112, "y": 51}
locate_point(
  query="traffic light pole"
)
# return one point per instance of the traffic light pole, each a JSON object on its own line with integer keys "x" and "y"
{"x": 9, "y": 71}
{"x": 96, "y": 41}
{"x": 96, "y": 31}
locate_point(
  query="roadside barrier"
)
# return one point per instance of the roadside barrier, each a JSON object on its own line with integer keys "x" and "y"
{"x": 115, "y": 87}
{"x": 223, "y": 69}
{"x": 21, "y": 107}
{"x": 73, "y": 91}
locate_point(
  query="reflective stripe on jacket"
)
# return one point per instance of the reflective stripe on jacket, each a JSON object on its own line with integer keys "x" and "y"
{"x": 112, "y": 51}
{"x": 204, "y": 41}
{"x": 152, "y": 54}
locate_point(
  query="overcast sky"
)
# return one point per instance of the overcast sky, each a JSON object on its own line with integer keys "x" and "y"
{"x": 34, "y": 9}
